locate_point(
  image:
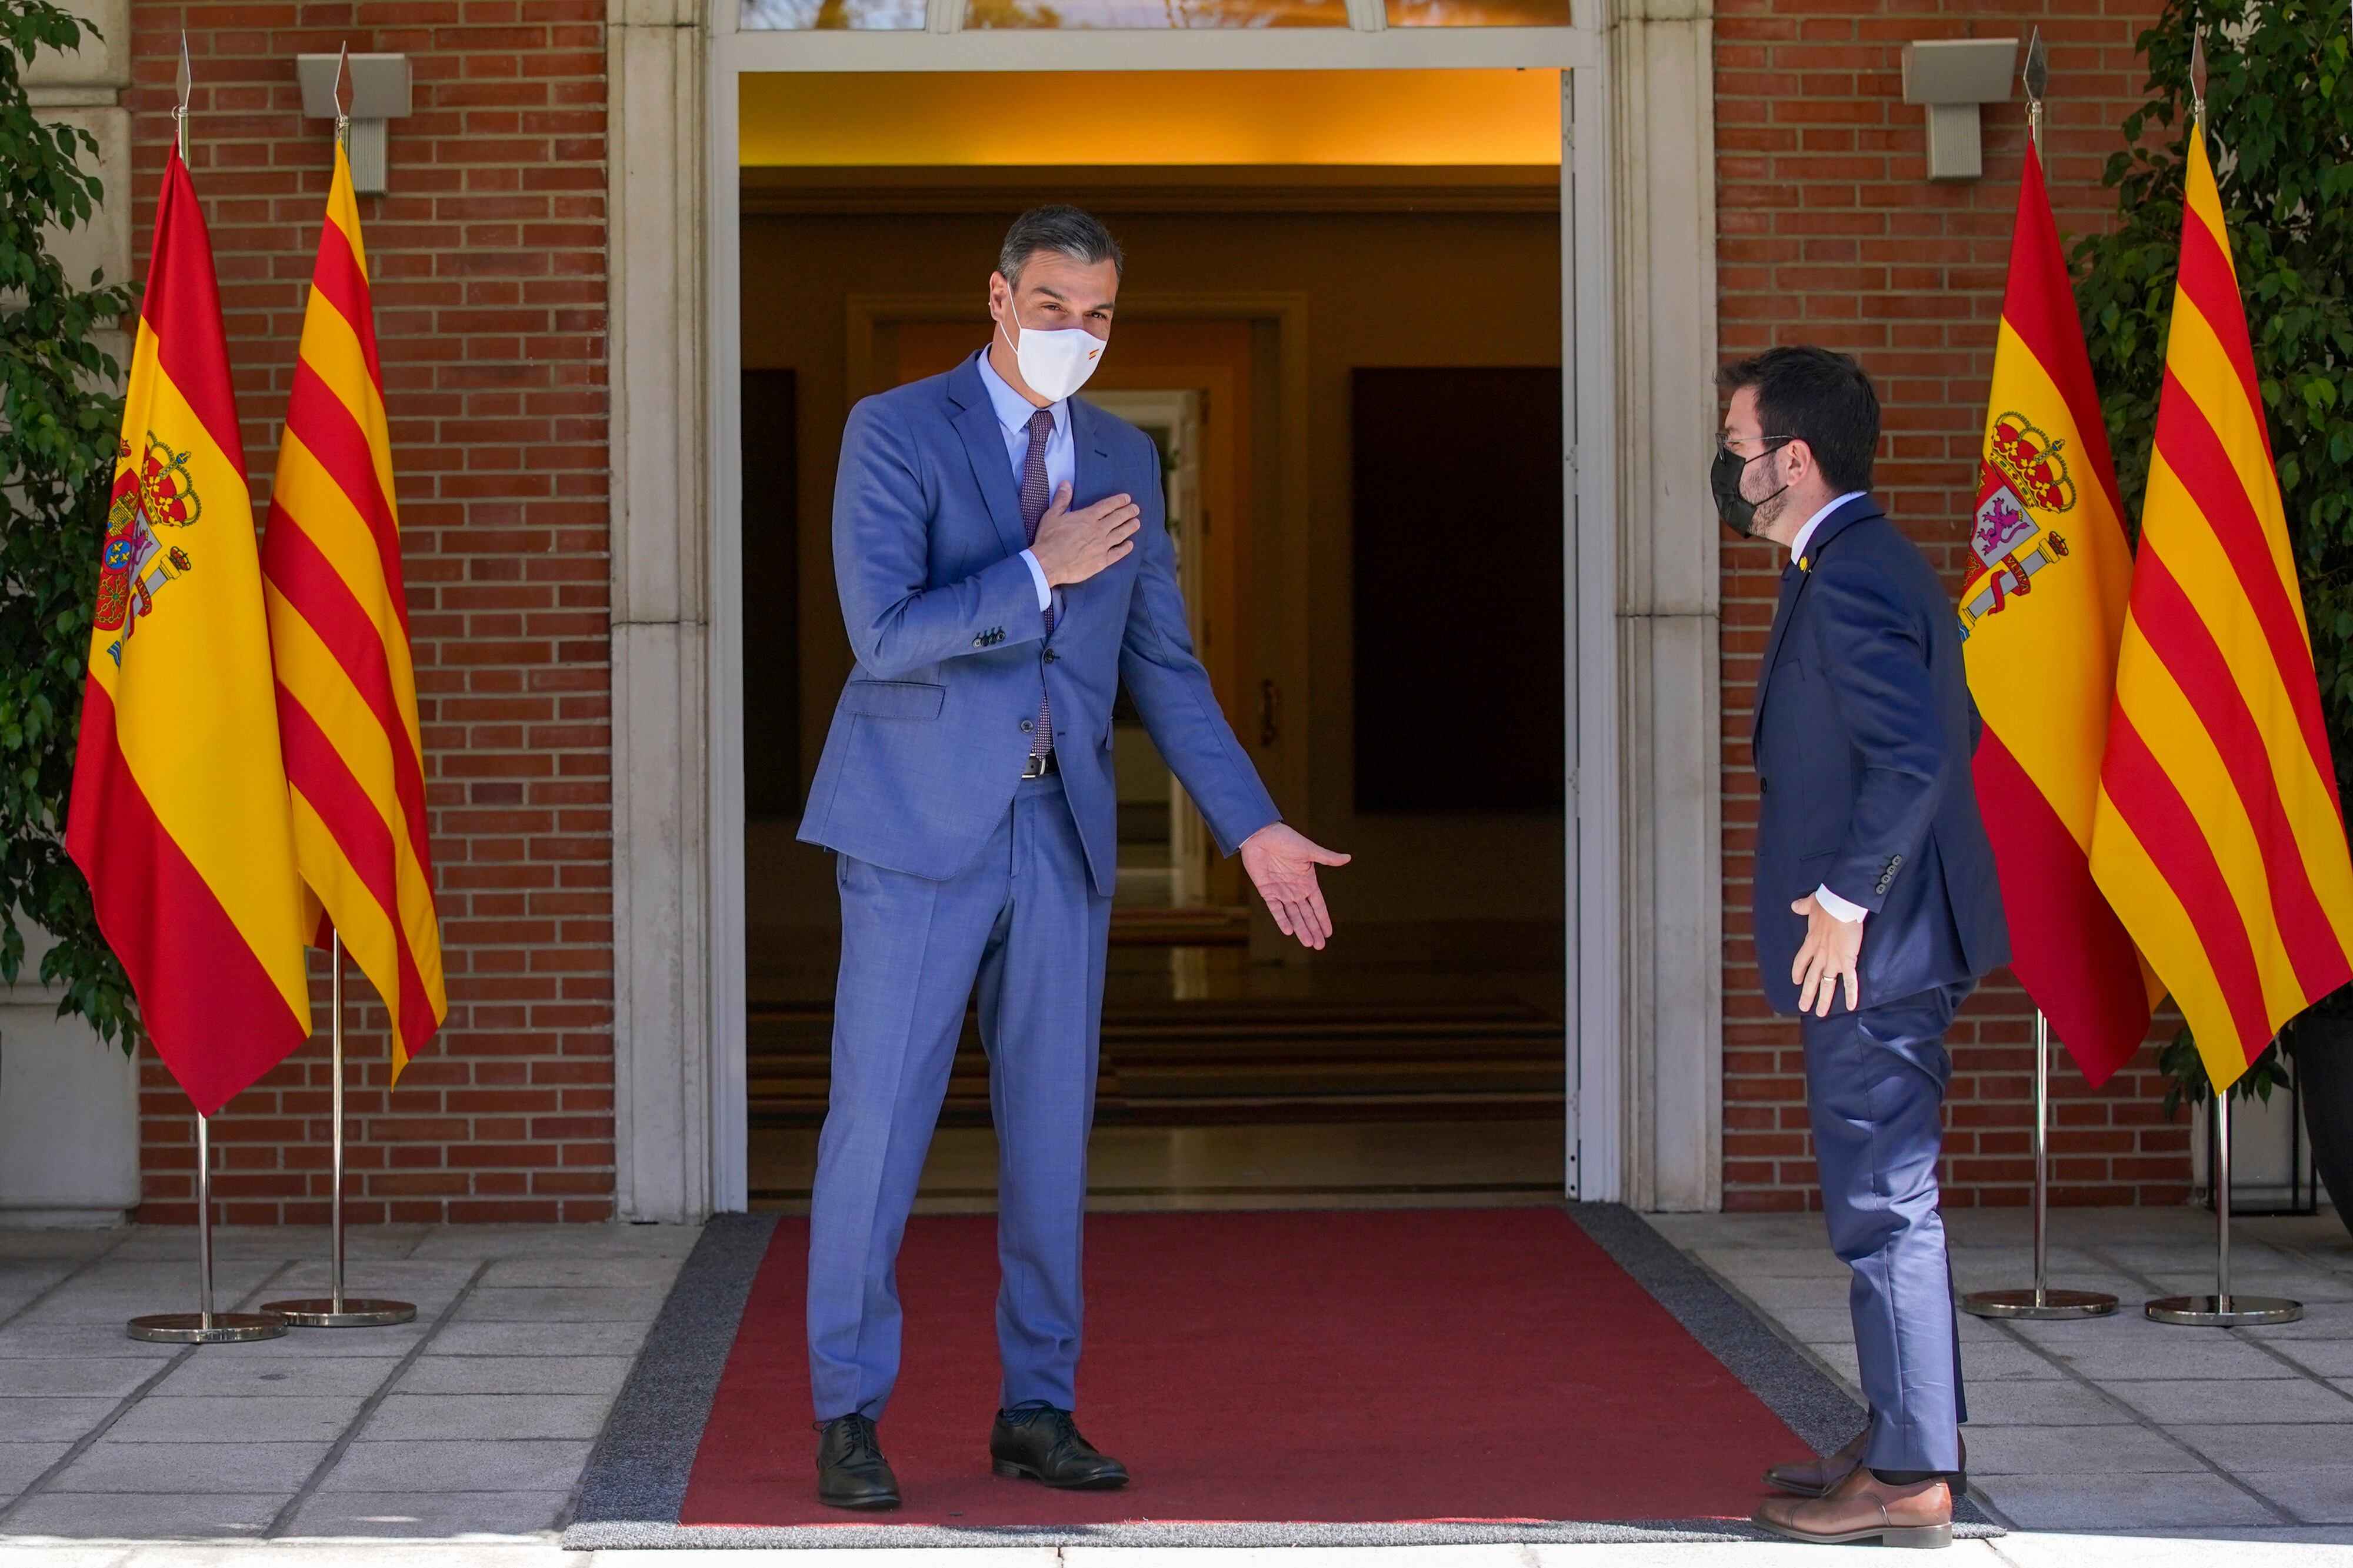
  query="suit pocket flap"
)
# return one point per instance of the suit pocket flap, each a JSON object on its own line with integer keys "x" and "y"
{"x": 893, "y": 699}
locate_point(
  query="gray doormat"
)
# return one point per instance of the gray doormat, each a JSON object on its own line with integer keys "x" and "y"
{"x": 631, "y": 1493}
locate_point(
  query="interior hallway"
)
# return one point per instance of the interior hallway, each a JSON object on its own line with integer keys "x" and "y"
{"x": 1375, "y": 1076}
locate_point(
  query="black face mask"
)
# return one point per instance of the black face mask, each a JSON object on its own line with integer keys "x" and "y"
{"x": 1739, "y": 512}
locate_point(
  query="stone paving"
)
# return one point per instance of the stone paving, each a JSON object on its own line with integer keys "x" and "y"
{"x": 475, "y": 1419}
{"x": 2113, "y": 1423}
{"x": 455, "y": 1441}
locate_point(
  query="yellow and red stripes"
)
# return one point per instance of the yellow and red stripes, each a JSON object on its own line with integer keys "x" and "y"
{"x": 2043, "y": 670}
{"x": 179, "y": 814}
{"x": 339, "y": 632}
{"x": 2219, "y": 837}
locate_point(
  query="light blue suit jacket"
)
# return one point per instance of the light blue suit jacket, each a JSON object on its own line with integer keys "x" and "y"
{"x": 931, "y": 733}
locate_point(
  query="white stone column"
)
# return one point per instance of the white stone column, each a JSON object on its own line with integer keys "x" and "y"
{"x": 661, "y": 942}
{"x": 70, "y": 1102}
{"x": 84, "y": 90}
{"x": 1661, "y": 57}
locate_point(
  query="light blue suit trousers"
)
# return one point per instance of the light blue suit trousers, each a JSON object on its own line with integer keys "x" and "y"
{"x": 1024, "y": 921}
{"x": 1875, "y": 1090}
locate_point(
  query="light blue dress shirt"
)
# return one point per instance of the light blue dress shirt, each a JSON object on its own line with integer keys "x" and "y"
{"x": 1013, "y": 414}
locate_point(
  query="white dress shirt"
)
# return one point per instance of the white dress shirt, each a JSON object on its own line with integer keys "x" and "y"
{"x": 1013, "y": 414}
{"x": 1839, "y": 909}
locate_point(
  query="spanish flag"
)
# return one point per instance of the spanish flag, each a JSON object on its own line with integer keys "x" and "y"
{"x": 2219, "y": 837}
{"x": 179, "y": 812}
{"x": 339, "y": 631}
{"x": 2041, "y": 609}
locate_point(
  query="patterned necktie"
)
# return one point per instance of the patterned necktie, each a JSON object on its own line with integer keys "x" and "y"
{"x": 1033, "y": 508}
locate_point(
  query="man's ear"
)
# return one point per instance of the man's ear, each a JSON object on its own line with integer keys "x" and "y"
{"x": 1798, "y": 461}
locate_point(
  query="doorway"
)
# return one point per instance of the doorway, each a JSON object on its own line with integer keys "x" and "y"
{"x": 1290, "y": 1035}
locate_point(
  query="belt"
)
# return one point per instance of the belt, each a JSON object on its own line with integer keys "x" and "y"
{"x": 1039, "y": 767}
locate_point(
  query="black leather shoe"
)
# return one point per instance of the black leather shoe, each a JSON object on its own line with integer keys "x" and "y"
{"x": 851, "y": 1469}
{"x": 1043, "y": 1444}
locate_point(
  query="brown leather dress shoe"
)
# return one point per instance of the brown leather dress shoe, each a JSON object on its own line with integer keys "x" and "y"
{"x": 1863, "y": 1508}
{"x": 1815, "y": 1478}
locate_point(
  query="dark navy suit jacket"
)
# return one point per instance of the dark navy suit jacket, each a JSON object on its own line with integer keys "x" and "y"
{"x": 1862, "y": 736}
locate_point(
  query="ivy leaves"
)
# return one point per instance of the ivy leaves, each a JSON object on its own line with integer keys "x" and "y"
{"x": 58, "y": 423}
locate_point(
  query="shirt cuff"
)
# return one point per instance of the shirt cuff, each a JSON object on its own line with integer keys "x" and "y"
{"x": 1839, "y": 909}
{"x": 1038, "y": 576}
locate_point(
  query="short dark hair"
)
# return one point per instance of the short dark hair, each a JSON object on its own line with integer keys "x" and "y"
{"x": 1821, "y": 397}
{"x": 1074, "y": 234}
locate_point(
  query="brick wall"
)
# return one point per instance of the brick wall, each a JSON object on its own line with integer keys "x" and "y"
{"x": 1829, "y": 232}
{"x": 489, "y": 265}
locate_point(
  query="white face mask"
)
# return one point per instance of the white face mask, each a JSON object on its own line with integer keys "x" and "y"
{"x": 1057, "y": 364}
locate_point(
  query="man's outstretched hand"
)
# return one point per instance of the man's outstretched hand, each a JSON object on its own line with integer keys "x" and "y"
{"x": 1282, "y": 861}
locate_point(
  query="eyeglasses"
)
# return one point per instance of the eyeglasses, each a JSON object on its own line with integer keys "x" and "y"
{"x": 1724, "y": 443}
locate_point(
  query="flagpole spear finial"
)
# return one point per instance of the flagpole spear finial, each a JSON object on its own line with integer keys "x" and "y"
{"x": 2038, "y": 81}
{"x": 2198, "y": 78}
{"x": 187, "y": 83}
{"x": 343, "y": 102}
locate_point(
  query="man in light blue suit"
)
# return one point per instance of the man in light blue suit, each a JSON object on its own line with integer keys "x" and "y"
{"x": 1004, "y": 565}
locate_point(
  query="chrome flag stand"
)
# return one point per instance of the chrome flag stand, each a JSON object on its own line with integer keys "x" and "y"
{"x": 204, "y": 1326}
{"x": 2041, "y": 1303}
{"x": 334, "y": 1310}
{"x": 2223, "y": 1309}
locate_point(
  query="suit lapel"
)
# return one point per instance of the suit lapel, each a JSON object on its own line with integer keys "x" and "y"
{"x": 1793, "y": 583}
{"x": 1089, "y": 456}
{"x": 984, "y": 445}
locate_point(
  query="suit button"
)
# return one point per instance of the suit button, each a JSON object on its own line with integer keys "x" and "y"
{"x": 1052, "y": 655}
{"x": 1763, "y": 784}
{"x": 979, "y": 642}
{"x": 1027, "y": 726}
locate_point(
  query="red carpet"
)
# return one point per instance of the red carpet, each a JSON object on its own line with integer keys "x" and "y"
{"x": 1330, "y": 1367}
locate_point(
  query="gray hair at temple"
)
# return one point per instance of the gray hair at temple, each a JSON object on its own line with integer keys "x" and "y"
{"x": 1066, "y": 229}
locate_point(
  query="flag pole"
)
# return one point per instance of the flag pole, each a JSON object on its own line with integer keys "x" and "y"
{"x": 2040, "y": 1302}
{"x": 2223, "y": 1309}
{"x": 204, "y": 1326}
{"x": 334, "y": 1310}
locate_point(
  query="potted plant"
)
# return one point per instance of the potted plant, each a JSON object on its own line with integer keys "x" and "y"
{"x": 60, "y": 418}
{"x": 2279, "y": 99}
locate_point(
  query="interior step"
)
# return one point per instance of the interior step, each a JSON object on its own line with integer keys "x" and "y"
{"x": 1247, "y": 1060}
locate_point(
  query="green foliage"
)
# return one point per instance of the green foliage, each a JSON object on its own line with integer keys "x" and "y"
{"x": 2279, "y": 116}
{"x": 58, "y": 424}
{"x": 2186, "y": 1080}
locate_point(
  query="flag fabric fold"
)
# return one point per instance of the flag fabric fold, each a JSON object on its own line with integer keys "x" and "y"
{"x": 179, "y": 815}
{"x": 347, "y": 691}
{"x": 2219, "y": 838}
{"x": 2041, "y": 609}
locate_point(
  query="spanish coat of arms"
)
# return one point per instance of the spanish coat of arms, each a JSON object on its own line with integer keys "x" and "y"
{"x": 136, "y": 564}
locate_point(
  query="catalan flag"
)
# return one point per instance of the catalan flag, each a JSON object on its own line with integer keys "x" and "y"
{"x": 179, "y": 811}
{"x": 2219, "y": 837}
{"x": 2041, "y": 609}
{"x": 339, "y": 631}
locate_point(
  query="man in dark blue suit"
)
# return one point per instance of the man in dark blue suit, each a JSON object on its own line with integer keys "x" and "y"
{"x": 1876, "y": 910}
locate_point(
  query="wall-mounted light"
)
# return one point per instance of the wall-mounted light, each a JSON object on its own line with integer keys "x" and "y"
{"x": 1952, "y": 77}
{"x": 375, "y": 89}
